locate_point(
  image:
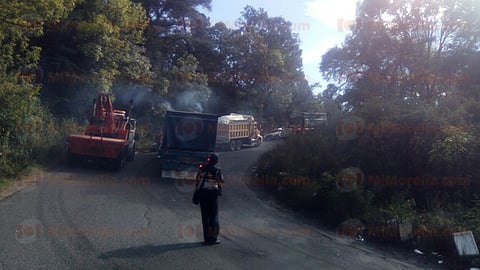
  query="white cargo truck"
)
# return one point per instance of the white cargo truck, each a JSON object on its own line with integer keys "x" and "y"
{"x": 235, "y": 131}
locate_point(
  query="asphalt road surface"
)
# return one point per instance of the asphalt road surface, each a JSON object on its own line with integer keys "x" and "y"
{"x": 89, "y": 218}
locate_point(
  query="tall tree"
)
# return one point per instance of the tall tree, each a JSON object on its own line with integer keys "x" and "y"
{"x": 263, "y": 64}
{"x": 169, "y": 36}
{"x": 404, "y": 49}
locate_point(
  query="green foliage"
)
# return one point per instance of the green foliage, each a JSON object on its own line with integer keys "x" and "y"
{"x": 21, "y": 113}
{"x": 400, "y": 209}
{"x": 112, "y": 35}
{"x": 186, "y": 71}
{"x": 455, "y": 152}
{"x": 433, "y": 231}
{"x": 469, "y": 220}
{"x": 21, "y": 21}
{"x": 302, "y": 157}
{"x": 264, "y": 62}
{"x": 19, "y": 106}
{"x": 405, "y": 50}
{"x": 170, "y": 37}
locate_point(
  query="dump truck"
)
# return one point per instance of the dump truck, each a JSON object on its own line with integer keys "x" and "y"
{"x": 109, "y": 136}
{"x": 188, "y": 139}
{"x": 300, "y": 123}
{"x": 237, "y": 130}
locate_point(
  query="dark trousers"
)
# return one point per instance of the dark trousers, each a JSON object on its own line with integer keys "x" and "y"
{"x": 209, "y": 207}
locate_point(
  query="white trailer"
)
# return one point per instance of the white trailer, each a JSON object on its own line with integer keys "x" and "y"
{"x": 237, "y": 130}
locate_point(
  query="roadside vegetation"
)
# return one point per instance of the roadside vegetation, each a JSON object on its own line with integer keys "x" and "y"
{"x": 401, "y": 152}
{"x": 331, "y": 181}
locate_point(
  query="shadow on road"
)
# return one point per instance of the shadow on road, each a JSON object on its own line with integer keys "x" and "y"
{"x": 146, "y": 251}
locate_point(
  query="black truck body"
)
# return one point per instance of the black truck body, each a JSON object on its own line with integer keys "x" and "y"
{"x": 188, "y": 138}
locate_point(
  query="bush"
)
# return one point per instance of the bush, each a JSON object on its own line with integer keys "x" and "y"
{"x": 455, "y": 152}
{"x": 30, "y": 133}
{"x": 49, "y": 142}
{"x": 433, "y": 231}
{"x": 469, "y": 220}
{"x": 18, "y": 107}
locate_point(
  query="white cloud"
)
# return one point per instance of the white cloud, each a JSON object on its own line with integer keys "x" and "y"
{"x": 333, "y": 13}
{"x": 312, "y": 56}
{"x": 330, "y": 20}
{"x": 316, "y": 49}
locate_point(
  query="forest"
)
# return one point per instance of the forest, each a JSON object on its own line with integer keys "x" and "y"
{"x": 402, "y": 143}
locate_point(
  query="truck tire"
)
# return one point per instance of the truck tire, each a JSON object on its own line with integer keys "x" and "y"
{"x": 120, "y": 162}
{"x": 233, "y": 145}
{"x": 239, "y": 144}
{"x": 131, "y": 154}
{"x": 72, "y": 159}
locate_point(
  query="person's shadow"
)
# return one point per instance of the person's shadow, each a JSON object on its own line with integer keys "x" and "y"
{"x": 146, "y": 251}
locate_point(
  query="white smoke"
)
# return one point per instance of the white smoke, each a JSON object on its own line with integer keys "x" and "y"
{"x": 189, "y": 101}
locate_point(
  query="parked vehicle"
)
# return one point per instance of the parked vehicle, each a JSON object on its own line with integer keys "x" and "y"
{"x": 278, "y": 133}
{"x": 110, "y": 136}
{"x": 305, "y": 122}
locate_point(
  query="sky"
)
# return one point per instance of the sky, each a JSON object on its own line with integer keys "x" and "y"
{"x": 320, "y": 25}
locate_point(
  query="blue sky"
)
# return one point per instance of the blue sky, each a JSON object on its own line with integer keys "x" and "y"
{"x": 320, "y": 24}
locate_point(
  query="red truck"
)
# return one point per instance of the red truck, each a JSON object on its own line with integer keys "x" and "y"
{"x": 109, "y": 137}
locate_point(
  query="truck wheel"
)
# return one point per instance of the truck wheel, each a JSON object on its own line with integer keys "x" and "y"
{"x": 120, "y": 162}
{"x": 239, "y": 144}
{"x": 233, "y": 145}
{"x": 72, "y": 159}
{"x": 131, "y": 154}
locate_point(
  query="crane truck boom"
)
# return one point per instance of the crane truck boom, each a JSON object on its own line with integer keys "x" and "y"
{"x": 110, "y": 136}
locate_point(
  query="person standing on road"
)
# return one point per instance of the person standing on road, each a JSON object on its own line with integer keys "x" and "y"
{"x": 209, "y": 182}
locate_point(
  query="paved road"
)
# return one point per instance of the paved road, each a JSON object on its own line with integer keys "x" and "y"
{"x": 88, "y": 218}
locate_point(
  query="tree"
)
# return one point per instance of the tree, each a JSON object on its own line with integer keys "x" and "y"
{"x": 403, "y": 49}
{"x": 262, "y": 64}
{"x": 406, "y": 71}
{"x": 20, "y": 108}
{"x": 169, "y": 36}
{"x": 100, "y": 44}
{"x": 189, "y": 91}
